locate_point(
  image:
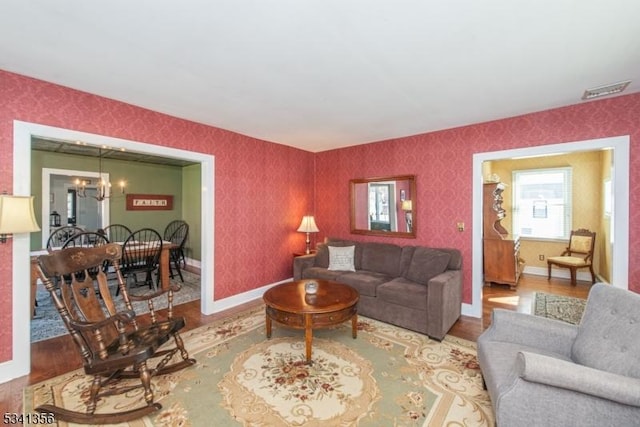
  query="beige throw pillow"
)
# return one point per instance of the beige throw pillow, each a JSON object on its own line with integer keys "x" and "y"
{"x": 341, "y": 258}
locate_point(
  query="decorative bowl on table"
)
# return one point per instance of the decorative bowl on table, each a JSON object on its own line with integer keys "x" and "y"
{"x": 311, "y": 287}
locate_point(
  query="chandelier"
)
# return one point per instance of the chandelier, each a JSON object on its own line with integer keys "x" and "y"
{"x": 103, "y": 187}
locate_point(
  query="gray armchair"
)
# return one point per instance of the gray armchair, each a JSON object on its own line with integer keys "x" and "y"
{"x": 543, "y": 372}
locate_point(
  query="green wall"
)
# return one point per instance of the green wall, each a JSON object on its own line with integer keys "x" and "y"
{"x": 191, "y": 208}
{"x": 141, "y": 178}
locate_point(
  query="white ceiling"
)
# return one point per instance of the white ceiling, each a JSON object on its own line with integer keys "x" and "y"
{"x": 322, "y": 74}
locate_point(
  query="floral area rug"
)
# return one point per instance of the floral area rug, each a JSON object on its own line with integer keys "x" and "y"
{"x": 47, "y": 322}
{"x": 387, "y": 376}
{"x": 559, "y": 307}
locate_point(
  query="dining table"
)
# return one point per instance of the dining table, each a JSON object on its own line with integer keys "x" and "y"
{"x": 164, "y": 268}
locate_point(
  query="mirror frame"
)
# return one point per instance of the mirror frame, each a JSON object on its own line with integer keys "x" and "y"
{"x": 412, "y": 189}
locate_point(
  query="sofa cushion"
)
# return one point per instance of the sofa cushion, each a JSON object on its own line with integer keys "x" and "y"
{"x": 403, "y": 292}
{"x": 365, "y": 282}
{"x": 425, "y": 264}
{"x": 341, "y": 258}
{"x": 382, "y": 258}
{"x": 609, "y": 334}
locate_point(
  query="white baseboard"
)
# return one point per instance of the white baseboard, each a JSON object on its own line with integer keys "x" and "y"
{"x": 243, "y": 298}
{"x": 558, "y": 273}
{"x": 193, "y": 262}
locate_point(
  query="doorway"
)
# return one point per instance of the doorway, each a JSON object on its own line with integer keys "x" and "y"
{"x": 56, "y": 184}
{"x": 620, "y": 187}
{"x": 23, "y": 132}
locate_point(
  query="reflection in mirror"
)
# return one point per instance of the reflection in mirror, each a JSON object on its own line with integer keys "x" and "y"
{"x": 384, "y": 206}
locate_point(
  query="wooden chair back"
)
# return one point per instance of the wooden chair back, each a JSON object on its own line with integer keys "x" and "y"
{"x": 84, "y": 298}
{"x": 581, "y": 242}
{"x": 88, "y": 239}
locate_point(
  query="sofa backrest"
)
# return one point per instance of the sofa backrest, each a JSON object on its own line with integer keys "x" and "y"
{"x": 455, "y": 262}
{"x": 384, "y": 258}
{"x": 608, "y": 337}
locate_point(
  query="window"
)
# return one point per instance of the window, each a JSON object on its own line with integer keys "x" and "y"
{"x": 542, "y": 203}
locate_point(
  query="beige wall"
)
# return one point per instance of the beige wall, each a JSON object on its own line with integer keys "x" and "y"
{"x": 589, "y": 170}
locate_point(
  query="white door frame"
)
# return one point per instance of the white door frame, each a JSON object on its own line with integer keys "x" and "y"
{"x": 20, "y": 363}
{"x": 620, "y": 183}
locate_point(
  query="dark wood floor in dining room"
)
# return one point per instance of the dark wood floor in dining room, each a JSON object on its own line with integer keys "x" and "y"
{"x": 56, "y": 356}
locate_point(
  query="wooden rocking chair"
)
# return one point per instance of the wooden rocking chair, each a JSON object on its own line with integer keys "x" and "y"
{"x": 114, "y": 343}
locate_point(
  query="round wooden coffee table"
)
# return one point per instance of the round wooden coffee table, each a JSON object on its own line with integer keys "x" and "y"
{"x": 332, "y": 304}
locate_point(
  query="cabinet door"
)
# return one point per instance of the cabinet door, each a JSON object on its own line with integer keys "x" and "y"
{"x": 500, "y": 261}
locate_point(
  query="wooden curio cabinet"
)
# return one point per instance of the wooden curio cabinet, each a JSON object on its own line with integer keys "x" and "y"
{"x": 501, "y": 250}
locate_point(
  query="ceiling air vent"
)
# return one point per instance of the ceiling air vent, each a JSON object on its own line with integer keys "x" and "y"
{"x": 605, "y": 90}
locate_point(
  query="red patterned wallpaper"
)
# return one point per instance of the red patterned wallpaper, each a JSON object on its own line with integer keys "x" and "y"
{"x": 262, "y": 189}
{"x": 442, "y": 162}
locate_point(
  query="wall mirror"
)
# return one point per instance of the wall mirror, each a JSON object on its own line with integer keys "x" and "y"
{"x": 384, "y": 206}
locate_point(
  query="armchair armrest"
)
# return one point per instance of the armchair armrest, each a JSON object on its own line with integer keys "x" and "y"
{"x": 301, "y": 263}
{"x": 547, "y": 370}
{"x": 125, "y": 316}
{"x": 530, "y": 330}
{"x": 173, "y": 287}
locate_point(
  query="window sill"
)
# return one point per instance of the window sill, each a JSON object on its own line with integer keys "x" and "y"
{"x": 545, "y": 239}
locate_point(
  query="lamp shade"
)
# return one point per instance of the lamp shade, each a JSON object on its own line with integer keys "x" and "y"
{"x": 308, "y": 225}
{"x": 16, "y": 215}
{"x": 406, "y": 205}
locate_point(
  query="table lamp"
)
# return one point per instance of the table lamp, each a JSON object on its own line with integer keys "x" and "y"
{"x": 308, "y": 225}
{"x": 16, "y": 216}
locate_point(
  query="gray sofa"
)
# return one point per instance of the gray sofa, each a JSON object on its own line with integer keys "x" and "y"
{"x": 543, "y": 372}
{"x": 415, "y": 287}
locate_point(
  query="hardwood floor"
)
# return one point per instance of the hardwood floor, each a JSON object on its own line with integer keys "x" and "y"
{"x": 520, "y": 299}
{"x": 56, "y": 356}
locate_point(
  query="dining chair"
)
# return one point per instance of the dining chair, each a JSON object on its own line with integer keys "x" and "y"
{"x": 579, "y": 254}
{"x": 117, "y": 233}
{"x": 172, "y": 227}
{"x": 86, "y": 239}
{"x": 59, "y": 236}
{"x": 141, "y": 254}
{"x": 176, "y": 254}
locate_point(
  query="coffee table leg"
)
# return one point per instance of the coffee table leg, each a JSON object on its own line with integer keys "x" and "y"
{"x": 308, "y": 336}
{"x": 354, "y": 326}
{"x": 268, "y": 325}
